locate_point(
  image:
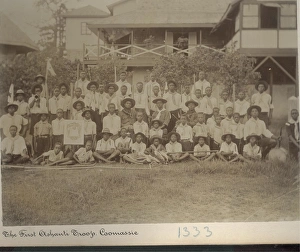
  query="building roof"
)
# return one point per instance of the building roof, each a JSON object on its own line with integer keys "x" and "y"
{"x": 87, "y": 11}
{"x": 12, "y": 35}
{"x": 160, "y": 13}
{"x": 110, "y": 6}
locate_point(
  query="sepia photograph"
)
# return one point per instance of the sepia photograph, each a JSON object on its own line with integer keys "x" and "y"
{"x": 149, "y": 112}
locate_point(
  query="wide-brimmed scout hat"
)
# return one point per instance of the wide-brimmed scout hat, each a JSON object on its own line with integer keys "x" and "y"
{"x": 159, "y": 99}
{"x": 78, "y": 102}
{"x": 39, "y": 76}
{"x": 64, "y": 85}
{"x": 191, "y": 101}
{"x": 158, "y": 121}
{"x": 200, "y": 136}
{"x": 92, "y": 83}
{"x": 262, "y": 82}
{"x": 126, "y": 100}
{"x": 140, "y": 134}
{"x": 172, "y": 81}
{"x": 106, "y": 131}
{"x": 253, "y": 135}
{"x": 155, "y": 137}
{"x": 227, "y": 134}
{"x": 20, "y": 92}
{"x": 44, "y": 112}
{"x": 174, "y": 133}
{"x": 11, "y": 105}
{"x": 86, "y": 110}
{"x": 111, "y": 85}
{"x": 36, "y": 86}
{"x": 253, "y": 107}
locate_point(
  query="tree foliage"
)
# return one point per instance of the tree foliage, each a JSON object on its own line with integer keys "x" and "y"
{"x": 226, "y": 68}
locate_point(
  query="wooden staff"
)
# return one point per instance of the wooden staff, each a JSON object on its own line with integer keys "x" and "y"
{"x": 233, "y": 96}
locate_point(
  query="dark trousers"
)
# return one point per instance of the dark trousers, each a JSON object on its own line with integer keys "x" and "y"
{"x": 13, "y": 159}
{"x": 187, "y": 145}
{"x": 97, "y": 119}
{"x": 173, "y": 120}
{"x": 42, "y": 144}
{"x": 34, "y": 119}
{"x": 264, "y": 117}
{"x": 240, "y": 144}
{"x": 266, "y": 145}
{"x": 214, "y": 145}
{"x": 294, "y": 151}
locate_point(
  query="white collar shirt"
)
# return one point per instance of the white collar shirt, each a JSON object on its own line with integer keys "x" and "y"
{"x": 141, "y": 127}
{"x": 252, "y": 151}
{"x": 103, "y": 145}
{"x": 225, "y": 147}
{"x": 241, "y": 107}
{"x": 113, "y": 123}
{"x": 256, "y": 126}
{"x": 185, "y": 132}
{"x": 58, "y": 126}
{"x": 13, "y": 145}
{"x": 7, "y": 120}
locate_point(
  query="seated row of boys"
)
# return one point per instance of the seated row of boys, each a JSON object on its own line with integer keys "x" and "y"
{"x": 124, "y": 150}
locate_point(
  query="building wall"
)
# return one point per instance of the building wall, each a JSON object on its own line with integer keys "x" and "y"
{"x": 124, "y": 7}
{"x": 74, "y": 38}
{"x": 269, "y": 39}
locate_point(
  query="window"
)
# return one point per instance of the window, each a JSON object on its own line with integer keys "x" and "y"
{"x": 288, "y": 16}
{"x": 85, "y": 30}
{"x": 268, "y": 17}
{"x": 250, "y": 16}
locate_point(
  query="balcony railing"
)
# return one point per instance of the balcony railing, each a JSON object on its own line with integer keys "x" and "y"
{"x": 131, "y": 51}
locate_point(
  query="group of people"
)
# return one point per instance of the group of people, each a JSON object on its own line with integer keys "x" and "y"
{"x": 144, "y": 124}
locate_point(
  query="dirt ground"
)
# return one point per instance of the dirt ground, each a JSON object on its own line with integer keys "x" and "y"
{"x": 166, "y": 194}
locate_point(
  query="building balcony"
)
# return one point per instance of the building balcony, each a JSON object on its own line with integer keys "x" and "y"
{"x": 133, "y": 54}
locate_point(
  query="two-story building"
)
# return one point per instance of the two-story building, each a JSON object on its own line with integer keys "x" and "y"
{"x": 266, "y": 30}
{"x": 139, "y": 31}
{"x": 77, "y": 32}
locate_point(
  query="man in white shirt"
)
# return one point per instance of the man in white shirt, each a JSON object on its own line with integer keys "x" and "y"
{"x": 224, "y": 103}
{"x": 211, "y": 103}
{"x": 201, "y": 84}
{"x": 257, "y": 126}
{"x": 186, "y": 134}
{"x": 173, "y": 104}
{"x": 112, "y": 121}
{"x": 152, "y": 83}
{"x": 186, "y": 96}
{"x": 264, "y": 101}
{"x": 202, "y": 103}
{"x": 82, "y": 83}
{"x": 241, "y": 106}
{"x": 141, "y": 101}
{"x": 123, "y": 81}
{"x": 13, "y": 148}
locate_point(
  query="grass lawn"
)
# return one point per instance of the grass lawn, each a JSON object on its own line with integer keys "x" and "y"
{"x": 185, "y": 192}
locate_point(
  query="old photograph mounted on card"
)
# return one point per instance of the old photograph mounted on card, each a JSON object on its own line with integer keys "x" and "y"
{"x": 148, "y": 112}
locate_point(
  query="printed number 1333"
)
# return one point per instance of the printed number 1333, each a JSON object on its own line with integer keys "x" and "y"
{"x": 193, "y": 232}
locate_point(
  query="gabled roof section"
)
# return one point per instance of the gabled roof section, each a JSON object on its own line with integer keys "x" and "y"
{"x": 166, "y": 13}
{"x": 12, "y": 35}
{"x": 87, "y": 11}
{"x": 110, "y": 6}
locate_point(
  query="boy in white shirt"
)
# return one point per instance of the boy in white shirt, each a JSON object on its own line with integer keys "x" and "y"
{"x": 111, "y": 97}
{"x": 156, "y": 129}
{"x": 141, "y": 101}
{"x": 58, "y": 128}
{"x": 201, "y": 129}
{"x": 211, "y": 103}
{"x": 228, "y": 151}
{"x": 50, "y": 156}
{"x": 202, "y": 103}
{"x": 90, "y": 131}
{"x": 264, "y": 101}
{"x": 174, "y": 148}
{"x": 216, "y": 133}
{"x": 123, "y": 144}
{"x": 140, "y": 125}
{"x": 78, "y": 109}
{"x": 186, "y": 96}
{"x": 186, "y": 134}
{"x": 228, "y": 120}
{"x": 241, "y": 106}
{"x": 202, "y": 150}
{"x": 224, "y": 103}
{"x": 23, "y": 107}
{"x": 237, "y": 129}
{"x": 65, "y": 99}
{"x": 123, "y": 81}
{"x": 112, "y": 121}
{"x": 55, "y": 103}
{"x": 251, "y": 151}
{"x": 106, "y": 149}
{"x": 210, "y": 122}
{"x": 154, "y": 95}
{"x": 13, "y": 148}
